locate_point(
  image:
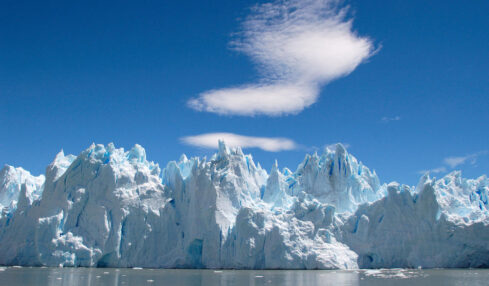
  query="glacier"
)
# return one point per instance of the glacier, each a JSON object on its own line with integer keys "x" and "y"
{"x": 108, "y": 207}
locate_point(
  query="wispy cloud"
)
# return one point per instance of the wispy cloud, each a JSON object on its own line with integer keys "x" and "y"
{"x": 456, "y": 161}
{"x": 210, "y": 140}
{"x": 298, "y": 46}
{"x": 441, "y": 169}
{"x": 389, "y": 119}
{"x": 333, "y": 146}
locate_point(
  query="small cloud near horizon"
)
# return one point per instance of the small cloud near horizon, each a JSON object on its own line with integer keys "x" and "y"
{"x": 455, "y": 161}
{"x": 210, "y": 141}
{"x": 441, "y": 169}
{"x": 333, "y": 146}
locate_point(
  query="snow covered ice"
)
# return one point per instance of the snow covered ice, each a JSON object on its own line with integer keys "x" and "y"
{"x": 11, "y": 181}
{"x": 108, "y": 207}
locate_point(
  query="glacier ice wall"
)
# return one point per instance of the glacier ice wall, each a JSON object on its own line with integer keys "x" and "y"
{"x": 108, "y": 207}
{"x": 12, "y": 180}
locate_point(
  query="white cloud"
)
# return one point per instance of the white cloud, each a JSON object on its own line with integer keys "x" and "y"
{"x": 456, "y": 161}
{"x": 333, "y": 146}
{"x": 441, "y": 169}
{"x": 389, "y": 119}
{"x": 210, "y": 140}
{"x": 298, "y": 46}
{"x": 273, "y": 100}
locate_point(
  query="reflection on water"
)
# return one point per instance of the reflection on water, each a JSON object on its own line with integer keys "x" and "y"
{"x": 16, "y": 276}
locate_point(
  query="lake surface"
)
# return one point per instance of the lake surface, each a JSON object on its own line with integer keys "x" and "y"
{"x": 16, "y": 276}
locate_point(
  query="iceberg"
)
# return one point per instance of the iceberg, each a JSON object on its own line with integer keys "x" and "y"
{"x": 108, "y": 207}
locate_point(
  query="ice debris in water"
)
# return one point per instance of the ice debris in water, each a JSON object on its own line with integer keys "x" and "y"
{"x": 108, "y": 207}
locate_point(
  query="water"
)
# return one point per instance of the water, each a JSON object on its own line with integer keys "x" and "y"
{"x": 16, "y": 276}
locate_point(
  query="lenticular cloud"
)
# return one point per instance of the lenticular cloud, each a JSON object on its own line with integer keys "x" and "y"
{"x": 298, "y": 46}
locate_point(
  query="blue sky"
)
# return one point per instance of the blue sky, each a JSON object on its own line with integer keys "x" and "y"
{"x": 405, "y": 85}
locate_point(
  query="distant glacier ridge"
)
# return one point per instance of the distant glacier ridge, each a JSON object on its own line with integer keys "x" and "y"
{"x": 108, "y": 207}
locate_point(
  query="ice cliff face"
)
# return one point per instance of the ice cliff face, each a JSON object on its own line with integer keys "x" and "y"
{"x": 335, "y": 178}
{"x": 11, "y": 181}
{"x": 110, "y": 207}
{"x": 440, "y": 224}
